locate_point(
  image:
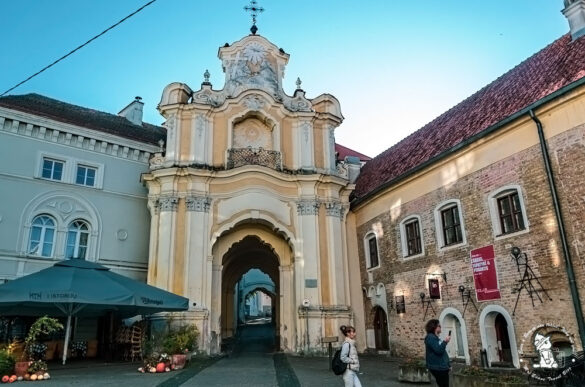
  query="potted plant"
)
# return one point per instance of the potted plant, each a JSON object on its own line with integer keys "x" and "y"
{"x": 33, "y": 350}
{"x": 414, "y": 371}
{"x": 7, "y": 362}
{"x": 179, "y": 342}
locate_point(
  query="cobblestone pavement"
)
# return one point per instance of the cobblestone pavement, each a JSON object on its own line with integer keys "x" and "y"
{"x": 252, "y": 363}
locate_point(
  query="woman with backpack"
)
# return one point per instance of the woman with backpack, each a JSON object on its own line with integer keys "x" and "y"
{"x": 349, "y": 355}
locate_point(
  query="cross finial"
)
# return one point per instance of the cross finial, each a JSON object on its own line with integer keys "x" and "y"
{"x": 254, "y": 10}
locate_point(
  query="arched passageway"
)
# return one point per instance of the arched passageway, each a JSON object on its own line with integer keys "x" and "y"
{"x": 247, "y": 254}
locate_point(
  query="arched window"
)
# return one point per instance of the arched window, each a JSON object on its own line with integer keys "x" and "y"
{"x": 508, "y": 211}
{"x": 411, "y": 237}
{"x": 371, "y": 249}
{"x": 77, "y": 239}
{"x": 42, "y": 236}
{"x": 449, "y": 224}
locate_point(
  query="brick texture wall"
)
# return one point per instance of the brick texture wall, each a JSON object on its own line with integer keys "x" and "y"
{"x": 541, "y": 243}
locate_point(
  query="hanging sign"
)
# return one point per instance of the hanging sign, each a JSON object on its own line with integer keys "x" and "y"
{"x": 485, "y": 275}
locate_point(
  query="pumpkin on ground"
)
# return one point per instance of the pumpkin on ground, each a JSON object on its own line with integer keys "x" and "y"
{"x": 47, "y": 376}
{"x": 160, "y": 367}
{"x": 27, "y": 377}
{"x": 33, "y": 377}
{"x": 5, "y": 379}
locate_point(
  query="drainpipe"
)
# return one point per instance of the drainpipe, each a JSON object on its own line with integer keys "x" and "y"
{"x": 561, "y": 227}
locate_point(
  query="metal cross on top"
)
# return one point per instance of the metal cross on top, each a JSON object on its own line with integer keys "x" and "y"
{"x": 254, "y": 10}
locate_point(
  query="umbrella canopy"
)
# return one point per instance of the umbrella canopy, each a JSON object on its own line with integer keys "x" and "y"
{"x": 82, "y": 288}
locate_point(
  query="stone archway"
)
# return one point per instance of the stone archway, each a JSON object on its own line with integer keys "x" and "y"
{"x": 249, "y": 253}
{"x": 245, "y": 247}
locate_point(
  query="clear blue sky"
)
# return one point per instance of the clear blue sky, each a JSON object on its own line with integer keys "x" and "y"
{"x": 394, "y": 65}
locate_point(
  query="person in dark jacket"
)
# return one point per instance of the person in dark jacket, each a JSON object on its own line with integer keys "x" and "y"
{"x": 438, "y": 362}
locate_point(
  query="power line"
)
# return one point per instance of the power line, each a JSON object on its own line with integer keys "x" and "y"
{"x": 76, "y": 49}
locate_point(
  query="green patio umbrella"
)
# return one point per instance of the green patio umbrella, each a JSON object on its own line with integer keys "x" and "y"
{"x": 80, "y": 288}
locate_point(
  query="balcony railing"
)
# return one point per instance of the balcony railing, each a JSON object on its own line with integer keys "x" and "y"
{"x": 238, "y": 157}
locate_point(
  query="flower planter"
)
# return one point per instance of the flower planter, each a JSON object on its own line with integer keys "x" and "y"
{"x": 179, "y": 361}
{"x": 21, "y": 368}
{"x": 480, "y": 381}
{"x": 413, "y": 374}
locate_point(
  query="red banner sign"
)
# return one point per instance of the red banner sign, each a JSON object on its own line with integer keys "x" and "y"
{"x": 485, "y": 275}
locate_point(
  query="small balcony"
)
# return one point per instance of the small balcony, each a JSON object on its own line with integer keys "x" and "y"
{"x": 238, "y": 157}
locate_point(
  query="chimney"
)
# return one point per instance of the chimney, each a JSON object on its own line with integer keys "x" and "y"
{"x": 133, "y": 112}
{"x": 575, "y": 13}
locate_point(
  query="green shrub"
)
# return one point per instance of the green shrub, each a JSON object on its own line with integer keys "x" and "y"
{"x": 181, "y": 340}
{"x": 6, "y": 363}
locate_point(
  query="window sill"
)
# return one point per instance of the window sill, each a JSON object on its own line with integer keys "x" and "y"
{"x": 370, "y": 269}
{"x": 69, "y": 183}
{"x": 410, "y": 257}
{"x": 512, "y": 234}
{"x": 453, "y": 246}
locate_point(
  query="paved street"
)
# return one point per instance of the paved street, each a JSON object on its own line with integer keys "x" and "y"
{"x": 252, "y": 363}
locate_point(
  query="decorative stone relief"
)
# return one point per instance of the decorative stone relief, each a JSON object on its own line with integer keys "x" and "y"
{"x": 252, "y": 133}
{"x": 156, "y": 161}
{"x": 168, "y": 203}
{"x": 252, "y": 68}
{"x": 254, "y": 102}
{"x": 198, "y": 203}
{"x": 308, "y": 207}
{"x": 170, "y": 125}
{"x": 334, "y": 209}
{"x": 122, "y": 234}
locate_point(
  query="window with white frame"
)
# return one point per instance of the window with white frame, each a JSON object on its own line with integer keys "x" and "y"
{"x": 86, "y": 175}
{"x": 371, "y": 248}
{"x": 411, "y": 237}
{"x": 77, "y": 240}
{"x": 449, "y": 224}
{"x": 42, "y": 236}
{"x": 52, "y": 169}
{"x": 508, "y": 211}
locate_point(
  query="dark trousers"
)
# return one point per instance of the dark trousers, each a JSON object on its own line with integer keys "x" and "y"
{"x": 442, "y": 377}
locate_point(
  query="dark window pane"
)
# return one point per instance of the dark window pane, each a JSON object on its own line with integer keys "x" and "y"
{"x": 57, "y": 170}
{"x": 413, "y": 241}
{"x": 80, "y": 179}
{"x": 373, "y": 247}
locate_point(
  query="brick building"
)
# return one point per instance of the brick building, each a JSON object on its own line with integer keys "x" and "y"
{"x": 473, "y": 178}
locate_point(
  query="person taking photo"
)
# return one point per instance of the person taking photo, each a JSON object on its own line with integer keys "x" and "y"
{"x": 438, "y": 362}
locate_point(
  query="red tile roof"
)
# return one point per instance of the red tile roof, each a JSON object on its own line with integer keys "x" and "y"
{"x": 343, "y": 151}
{"x": 88, "y": 118}
{"x": 547, "y": 71}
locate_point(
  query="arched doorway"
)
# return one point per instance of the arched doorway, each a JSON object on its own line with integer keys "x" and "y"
{"x": 452, "y": 324}
{"x": 498, "y": 337}
{"x": 249, "y": 253}
{"x": 381, "y": 329}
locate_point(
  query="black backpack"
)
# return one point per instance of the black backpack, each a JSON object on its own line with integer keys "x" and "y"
{"x": 337, "y": 365}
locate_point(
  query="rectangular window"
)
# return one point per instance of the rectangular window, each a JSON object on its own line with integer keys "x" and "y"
{"x": 85, "y": 175}
{"x": 510, "y": 213}
{"x": 373, "y": 247}
{"x": 451, "y": 226}
{"x": 413, "y": 241}
{"x": 52, "y": 169}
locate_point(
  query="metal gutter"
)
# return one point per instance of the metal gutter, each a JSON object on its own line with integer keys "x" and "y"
{"x": 561, "y": 226}
{"x": 464, "y": 144}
